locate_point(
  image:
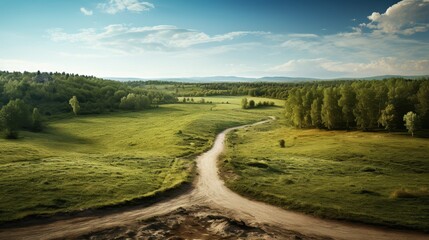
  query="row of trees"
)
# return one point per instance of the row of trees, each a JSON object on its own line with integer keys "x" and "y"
{"x": 245, "y": 104}
{"x": 25, "y": 97}
{"x": 50, "y": 92}
{"x": 259, "y": 89}
{"x": 358, "y": 104}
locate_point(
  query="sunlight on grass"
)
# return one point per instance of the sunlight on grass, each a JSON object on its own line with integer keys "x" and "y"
{"x": 337, "y": 174}
{"x": 96, "y": 160}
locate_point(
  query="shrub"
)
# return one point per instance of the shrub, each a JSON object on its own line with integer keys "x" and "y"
{"x": 251, "y": 104}
{"x": 258, "y": 164}
{"x": 282, "y": 143}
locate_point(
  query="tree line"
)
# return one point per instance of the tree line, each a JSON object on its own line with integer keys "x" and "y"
{"x": 26, "y": 97}
{"x": 359, "y": 104}
{"x": 247, "y": 104}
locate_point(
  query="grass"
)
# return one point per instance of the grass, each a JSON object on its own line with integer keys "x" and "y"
{"x": 92, "y": 161}
{"x": 376, "y": 178}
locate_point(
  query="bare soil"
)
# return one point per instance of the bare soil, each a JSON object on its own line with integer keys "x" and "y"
{"x": 195, "y": 222}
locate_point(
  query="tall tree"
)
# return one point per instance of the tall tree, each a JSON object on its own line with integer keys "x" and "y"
{"x": 316, "y": 109}
{"x": 347, "y": 103}
{"x": 366, "y": 110}
{"x": 401, "y": 95}
{"x": 422, "y": 106}
{"x": 411, "y": 122}
{"x": 74, "y": 103}
{"x": 297, "y": 109}
{"x": 330, "y": 112}
{"x": 307, "y": 100}
{"x": 387, "y": 117}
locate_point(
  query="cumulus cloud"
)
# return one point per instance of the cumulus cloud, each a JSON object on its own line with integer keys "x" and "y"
{"x": 85, "y": 11}
{"x": 405, "y": 17}
{"x": 115, "y": 6}
{"x": 157, "y": 38}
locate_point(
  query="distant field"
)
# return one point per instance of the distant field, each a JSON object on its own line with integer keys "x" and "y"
{"x": 96, "y": 160}
{"x": 369, "y": 177}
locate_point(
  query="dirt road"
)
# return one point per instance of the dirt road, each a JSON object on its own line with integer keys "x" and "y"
{"x": 209, "y": 191}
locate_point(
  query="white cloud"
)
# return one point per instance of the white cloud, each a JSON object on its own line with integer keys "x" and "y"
{"x": 136, "y": 39}
{"x": 377, "y": 47}
{"x": 24, "y": 65}
{"x": 303, "y": 35}
{"x": 327, "y": 67}
{"x": 387, "y": 65}
{"x": 405, "y": 17}
{"x": 115, "y": 6}
{"x": 85, "y": 11}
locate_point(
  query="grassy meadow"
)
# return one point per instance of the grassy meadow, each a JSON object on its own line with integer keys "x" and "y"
{"x": 377, "y": 178}
{"x": 97, "y": 160}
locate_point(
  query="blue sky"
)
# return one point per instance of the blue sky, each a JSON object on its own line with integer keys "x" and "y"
{"x": 184, "y": 38}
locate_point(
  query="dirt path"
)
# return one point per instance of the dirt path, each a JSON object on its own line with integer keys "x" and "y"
{"x": 210, "y": 192}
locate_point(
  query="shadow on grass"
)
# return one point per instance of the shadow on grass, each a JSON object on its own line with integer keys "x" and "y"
{"x": 57, "y": 135}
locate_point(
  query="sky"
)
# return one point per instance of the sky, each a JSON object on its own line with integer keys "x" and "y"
{"x": 190, "y": 38}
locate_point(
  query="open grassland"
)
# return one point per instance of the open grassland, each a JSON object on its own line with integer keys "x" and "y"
{"x": 92, "y": 161}
{"x": 375, "y": 178}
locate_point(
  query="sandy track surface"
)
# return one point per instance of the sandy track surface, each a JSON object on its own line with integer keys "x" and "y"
{"x": 209, "y": 192}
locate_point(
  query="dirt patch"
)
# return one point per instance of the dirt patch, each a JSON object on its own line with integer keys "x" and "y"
{"x": 195, "y": 222}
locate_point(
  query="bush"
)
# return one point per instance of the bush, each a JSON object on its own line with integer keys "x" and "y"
{"x": 251, "y": 104}
{"x": 257, "y": 164}
{"x": 134, "y": 102}
{"x": 13, "y": 117}
{"x": 11, "y": 134}
{"x": 282, "y": 143}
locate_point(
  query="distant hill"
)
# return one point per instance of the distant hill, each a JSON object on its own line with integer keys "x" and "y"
{"x": 395, "y": 76}
{"x": 262, "y": 79}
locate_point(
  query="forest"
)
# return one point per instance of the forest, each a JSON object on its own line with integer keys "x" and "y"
{"x": 364, "y": 105}
{"x": 351, "y": 104}
{"x": 340, "y": 104}
{"x": 25, "y": 98}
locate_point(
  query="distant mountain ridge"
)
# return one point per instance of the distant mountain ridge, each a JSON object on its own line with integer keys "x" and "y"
{"x": 213, "y": 79}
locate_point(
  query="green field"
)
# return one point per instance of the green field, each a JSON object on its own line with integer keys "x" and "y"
{"x": 375, "y": 178}
{"x": 96, "y": 160}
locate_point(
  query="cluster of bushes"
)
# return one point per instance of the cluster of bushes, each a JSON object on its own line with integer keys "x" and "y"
{"x": 191, "y": 100}
{"x": 246, "y": 104}
{"x": 17, "y": 115}
{"x": 135, "y": 102}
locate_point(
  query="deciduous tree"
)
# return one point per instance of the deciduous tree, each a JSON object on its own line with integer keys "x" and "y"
{"x": 347, "y": 103}
{"x": 387, "y": 117}
{"x": 74, "y": 103}
{"x": 13, "y": 116}
{"x": 244, "y": 103}
{"x": 330, "y": 112}
{"x": 411, "y": 122}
